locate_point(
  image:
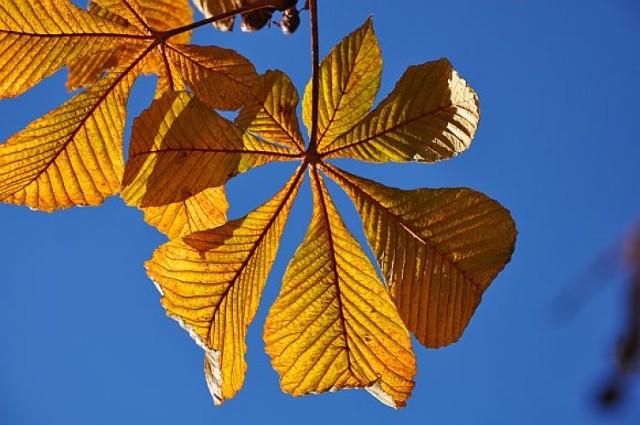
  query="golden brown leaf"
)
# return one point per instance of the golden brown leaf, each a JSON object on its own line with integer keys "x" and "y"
{"x": 153, "y": 15}
{"x": 212, "y": 282}
{"x": 432, "y": 114}
{"x": 144, "y": 17}
{"x": 50, "y": 164}
{"x": 334, "y": 325}
{"x": 38, "y": 38}
{"x": 221, "y": 78}
{"x": 72, "y": 155}
{"x": 180, "y": 147}
{"x": 271, "y": 113}
{"x": 88, "y": 69}
{"x": 205, "y": 210}
{"x": 439, "y": 249}
{"x": 350, "y": 77}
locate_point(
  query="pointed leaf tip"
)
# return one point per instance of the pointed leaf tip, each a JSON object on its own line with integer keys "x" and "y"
{"x": 350, "y": 77}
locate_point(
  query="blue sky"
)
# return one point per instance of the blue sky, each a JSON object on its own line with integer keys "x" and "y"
{"x": 85, "y": 341}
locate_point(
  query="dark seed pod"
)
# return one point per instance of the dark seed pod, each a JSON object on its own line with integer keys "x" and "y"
{"x": 255, "y": 21}
{"x": 290, "y": 21}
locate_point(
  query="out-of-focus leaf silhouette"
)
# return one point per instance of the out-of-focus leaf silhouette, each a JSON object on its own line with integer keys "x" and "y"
{"x": 620, "y": 260}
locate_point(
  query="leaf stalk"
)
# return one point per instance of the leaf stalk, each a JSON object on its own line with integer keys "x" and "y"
{"x": 315, "y": 79}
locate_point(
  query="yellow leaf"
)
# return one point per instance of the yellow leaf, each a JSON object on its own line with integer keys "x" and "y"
{"x": 145, "y": 17}
{"x": 89, "y": 68}
{"x": 72, "y": 155}
{"x": 212, "y": 282}
{"x": 168, "y": 78}
{"x": 153, "y": 15}
{"x": 205, "y": 210}
{"x": 180, "y": 147}
{"x": 432, "y": 114}
{"x": 116, "y": 10}
{"x": 439, "y": 249}
{"x": 38, "y": 38}
{"x": 221, "y": 78}
{"x": 334, "y": 325}
{"x": 350, "y": 78}
{"x": 271, "y": 112}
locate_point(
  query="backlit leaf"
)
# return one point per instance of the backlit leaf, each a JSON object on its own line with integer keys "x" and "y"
{"x": 350, "y": 78}
{"x": 156, "y": 15}
{"x": 144, "y": 17}
{"x": 219, "y": 77}
{"x": 180, "y": 147}
{"x": 72, "y": 155}
{"x": 88, "y": 69}
{"x": 334, "y": 325}
{"x": 39, "y": 37}
{"x": 439, "y": 249}
{"x": 212, "y": 282}
{"x": 205, "y": 210}
{"x": 432, "y": 114}
{"x": 271, "y": 113}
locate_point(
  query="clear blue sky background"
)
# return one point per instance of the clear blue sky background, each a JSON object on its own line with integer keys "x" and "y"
{"x": 85, "y": 341}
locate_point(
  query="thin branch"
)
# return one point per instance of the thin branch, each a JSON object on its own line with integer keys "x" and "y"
{"x": 315, "y": 77}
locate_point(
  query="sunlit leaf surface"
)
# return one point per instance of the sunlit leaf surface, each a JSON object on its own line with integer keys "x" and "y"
{"x": 180, "y": 147}
{"x": 73, "y": 155}
{"x": 335, "y": 323}
{"x": 432, "y": 114}
{"x": 271, "y": 111}
{"x": 39, "y": 37}
{"x": 212, "y": 281}
{"x": 205, "y": 210}
{"x": 439, "y": 249}
{"x": 350, "y": 78}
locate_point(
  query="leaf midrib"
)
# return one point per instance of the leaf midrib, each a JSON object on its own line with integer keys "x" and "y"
{"x": 254, "y": 248}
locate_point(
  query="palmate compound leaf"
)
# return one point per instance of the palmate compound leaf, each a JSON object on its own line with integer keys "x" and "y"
{"x": 334, "y": 324}
{"x": 212, "y": 282}
{"x": 51, "y": 164}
